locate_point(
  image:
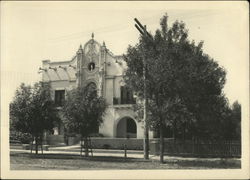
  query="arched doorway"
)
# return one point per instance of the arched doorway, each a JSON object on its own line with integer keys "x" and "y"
{"x": 126, "y": 128}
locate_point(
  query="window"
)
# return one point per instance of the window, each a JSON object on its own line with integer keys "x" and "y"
{"x": 126, "y": 96}
{"x": 59, "y": 97}
{"x": 91, "y": 66}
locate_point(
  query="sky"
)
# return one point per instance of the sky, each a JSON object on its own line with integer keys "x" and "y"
{"x": 35, "y": 31}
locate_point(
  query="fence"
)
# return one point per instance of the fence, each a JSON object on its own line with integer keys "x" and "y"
{"x": 107, "y": 143}
{"x": 200, "y": 148}
{"x": 54, "y": 139}
{"x": 117, "y": 143}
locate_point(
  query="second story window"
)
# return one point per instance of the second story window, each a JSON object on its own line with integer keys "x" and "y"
{"x": 127, "y": 96}
{"x": 59, "y": 97}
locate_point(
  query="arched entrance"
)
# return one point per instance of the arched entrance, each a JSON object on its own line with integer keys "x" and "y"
{"x": 126, "y": 128}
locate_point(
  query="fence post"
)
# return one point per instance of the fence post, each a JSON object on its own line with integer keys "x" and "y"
{"x": 230, "y": 146}
{"x": 125, "y": 151}
{"x": 193, "y": 146}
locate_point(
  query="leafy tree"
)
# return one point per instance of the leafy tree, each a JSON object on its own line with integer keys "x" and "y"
{"x": 83, "y": 111}
{"x": 232, "y": 123}
{"x": 32, "y": 111}
{"x": 236, "y": 117}
{"x": 183, "y": 83}
{"x": 213, "y": 115}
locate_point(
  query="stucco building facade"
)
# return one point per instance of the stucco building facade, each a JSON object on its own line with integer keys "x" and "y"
{"x": 94, "y": 63}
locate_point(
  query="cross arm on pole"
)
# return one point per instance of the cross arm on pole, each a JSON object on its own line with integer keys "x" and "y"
{"x": 142, "y": 29}
{"x": 138, "y": 22}
{"x": 137, "y": 27}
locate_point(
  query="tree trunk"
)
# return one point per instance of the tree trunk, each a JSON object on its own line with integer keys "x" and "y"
{"x": 174, "y": 131}
{"x": 183, "y": 132}
{"x": 161, "y": 144}
{"x": 41, "y": 143}
{"x": 36, "y": 139}
{"x": 86, "y": 146}
{"x": 31, "y": 145}
{"x": 81, "y": 146}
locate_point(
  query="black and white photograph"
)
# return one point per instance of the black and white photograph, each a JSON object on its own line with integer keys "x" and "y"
{"x": 124, "y": 90}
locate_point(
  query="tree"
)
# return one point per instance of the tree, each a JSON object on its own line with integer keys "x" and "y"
{"x": 232, "y": 122}
{"x": 236, "y": 116}
{"x": 32, "y": 111}
{"x": 182, "y": 81}
{"x": 83, "y": 112}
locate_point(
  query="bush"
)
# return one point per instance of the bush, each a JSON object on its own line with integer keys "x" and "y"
{"x": 24, "y": 138}
{"x": 96, "y": 135}
{"x": 14, "y": 136}
{"x": 71, "y": 134}
{"x": 106, "y": 146}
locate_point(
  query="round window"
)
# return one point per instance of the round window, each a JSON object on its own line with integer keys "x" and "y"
{"x": 91, "y": 66}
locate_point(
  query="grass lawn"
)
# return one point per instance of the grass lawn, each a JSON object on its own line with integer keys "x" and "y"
{"x": 26, "y": 161}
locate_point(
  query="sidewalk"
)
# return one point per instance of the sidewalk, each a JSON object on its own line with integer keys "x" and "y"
{"x": 95, "y": 153}
{"x": 75, "y": 150}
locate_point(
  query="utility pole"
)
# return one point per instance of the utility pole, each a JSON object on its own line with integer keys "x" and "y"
{"x": 142, "y": 29}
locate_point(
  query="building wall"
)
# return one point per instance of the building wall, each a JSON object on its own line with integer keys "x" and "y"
{"x": 112, "y": 117}
{"x": 107, "y": 75}
{"x": 109, "y": 91}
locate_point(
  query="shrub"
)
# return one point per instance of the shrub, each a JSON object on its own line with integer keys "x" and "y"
{"x": 24, "y": 138}
{"x": 106, "y": 146}
{"x": 71, "y": 134}
{"x": 96, "y": 135}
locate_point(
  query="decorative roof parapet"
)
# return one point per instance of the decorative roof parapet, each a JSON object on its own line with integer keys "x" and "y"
{"x": 46, "y": 61}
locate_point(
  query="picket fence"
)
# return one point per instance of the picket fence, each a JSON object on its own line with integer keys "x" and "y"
{"x": 200, "y": 148}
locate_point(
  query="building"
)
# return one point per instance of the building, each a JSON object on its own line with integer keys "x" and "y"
{"x": 95, "y": 64}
